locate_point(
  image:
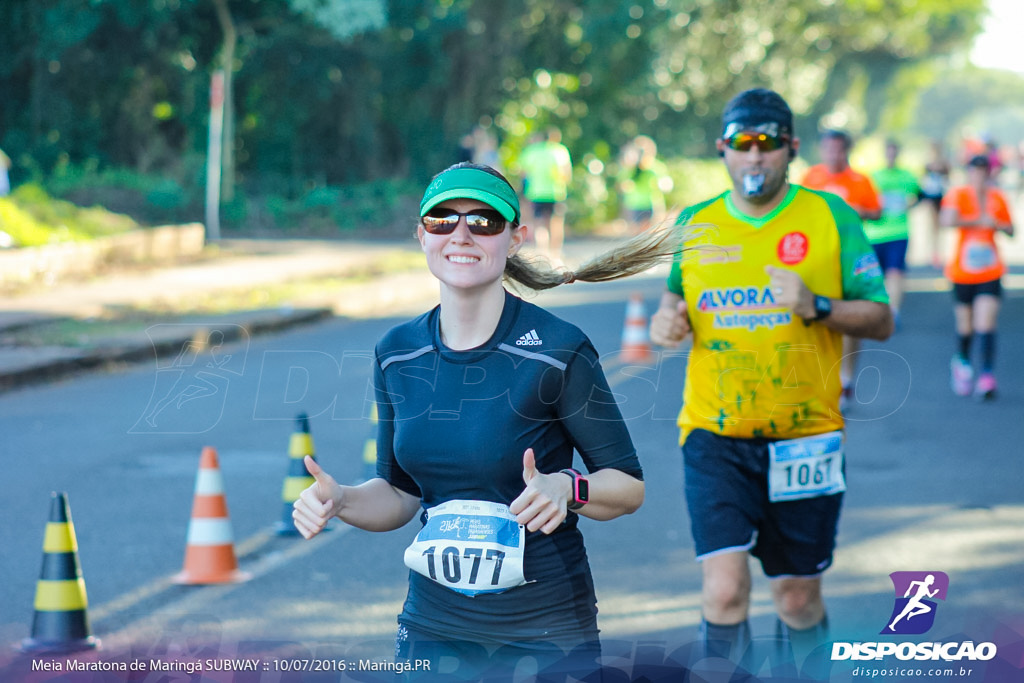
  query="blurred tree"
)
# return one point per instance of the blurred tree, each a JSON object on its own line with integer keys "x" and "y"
{"x": 990, "y": 101}
{"x": 109, "y": 80}
{"x": 342, "y": 18}
{"x": 817, "y": 54}
{"x": 334, "y": 92}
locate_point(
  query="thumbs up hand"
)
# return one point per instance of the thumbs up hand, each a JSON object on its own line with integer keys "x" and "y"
{"x": 529, "y": 466}
{"x": 319, "y": 503}
{"x": 542, "y": 504}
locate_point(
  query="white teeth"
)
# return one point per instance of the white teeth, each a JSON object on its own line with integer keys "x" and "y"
{"x": 463, "y": 259}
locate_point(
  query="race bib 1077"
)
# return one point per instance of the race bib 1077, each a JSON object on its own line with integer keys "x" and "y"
{"x": 470, "y": 546}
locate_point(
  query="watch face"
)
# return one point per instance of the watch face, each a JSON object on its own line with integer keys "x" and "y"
{"x": 822, "y": 306}
{"x": 583, "y": 490}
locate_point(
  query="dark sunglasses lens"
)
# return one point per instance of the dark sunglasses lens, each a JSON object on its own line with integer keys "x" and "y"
{"x": 742, "y": 142}
{"x": 739, "y": 142}
{"x": 440, "y": 222}
{"x": 485, "y": 222}
{"x": 480, "y": 222}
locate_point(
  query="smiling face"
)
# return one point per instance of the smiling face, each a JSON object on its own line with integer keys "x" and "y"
{"x": 464, "y": 261}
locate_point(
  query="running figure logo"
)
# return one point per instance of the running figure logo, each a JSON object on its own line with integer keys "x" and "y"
{"x": 190, "y": 391}
{"x": 457, "y": 525}
{"x": 914, "y": 613}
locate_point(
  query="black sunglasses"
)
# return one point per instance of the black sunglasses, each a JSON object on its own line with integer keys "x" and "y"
{"x": 743, "y": 141}
{"x": 479, "y": 221}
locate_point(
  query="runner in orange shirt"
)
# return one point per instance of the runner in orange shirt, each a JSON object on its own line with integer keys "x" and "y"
{"x": 834, "y": 175}
{"x": 978, "y": 210}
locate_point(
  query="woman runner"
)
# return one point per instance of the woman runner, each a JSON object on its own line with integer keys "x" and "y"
{"x": 482, "y": 401}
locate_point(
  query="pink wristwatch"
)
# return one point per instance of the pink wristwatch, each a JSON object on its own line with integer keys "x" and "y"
{"x": 580, "y": 489}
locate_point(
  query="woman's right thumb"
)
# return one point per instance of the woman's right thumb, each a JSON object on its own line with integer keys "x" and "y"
{"x": 313, "y": 468}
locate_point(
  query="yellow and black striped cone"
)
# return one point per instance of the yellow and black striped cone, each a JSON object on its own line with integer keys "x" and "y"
{"x": 298, "y": 478}
{"x": 61, "y": 623}
{"x": 370, "y": 448}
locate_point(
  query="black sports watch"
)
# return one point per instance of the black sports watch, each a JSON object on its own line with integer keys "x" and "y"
{"x": 580, "y": 489}
{"x": 822, "y": 309}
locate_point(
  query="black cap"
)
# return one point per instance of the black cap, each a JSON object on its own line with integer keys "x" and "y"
{"x": 979, "y": 161}
{"x": 756, "y": 108}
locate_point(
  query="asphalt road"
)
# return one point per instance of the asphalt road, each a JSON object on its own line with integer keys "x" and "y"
{"x": 935, "y": 484}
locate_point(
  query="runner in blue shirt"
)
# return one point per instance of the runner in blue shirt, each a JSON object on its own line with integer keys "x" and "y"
{"x": 482, "y": 402}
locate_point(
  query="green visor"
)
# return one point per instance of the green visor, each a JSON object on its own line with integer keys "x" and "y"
{"x": 472, "y": 183}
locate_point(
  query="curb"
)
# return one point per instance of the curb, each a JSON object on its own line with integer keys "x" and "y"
{"x": 110, "y": 356}
{"x": 155, "y": 246}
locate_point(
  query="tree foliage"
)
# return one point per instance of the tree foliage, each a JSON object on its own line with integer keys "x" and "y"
{"x": 336, "y": 92}
{"x": 973, "y": 101}
{"x": 344, "y": 18}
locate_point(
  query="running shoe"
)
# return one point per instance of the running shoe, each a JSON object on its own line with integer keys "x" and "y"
{"x": 961, "y": 376}
{"x": 985, "y": 389}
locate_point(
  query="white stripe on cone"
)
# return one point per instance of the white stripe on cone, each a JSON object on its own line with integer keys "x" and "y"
{"x": 634, "y": 334}
{"x": 204, "y": 531}
{"x": 209, "y": 483}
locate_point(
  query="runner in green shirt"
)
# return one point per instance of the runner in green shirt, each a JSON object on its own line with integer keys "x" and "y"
{"x": 547, "y": 171}
{"x": 643, "y": 181}
{"x": 890, "y": 234}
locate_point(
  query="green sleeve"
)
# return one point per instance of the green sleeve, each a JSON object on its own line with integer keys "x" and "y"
{"x": 862, "y": 274}
{"x": 675, "y": 275}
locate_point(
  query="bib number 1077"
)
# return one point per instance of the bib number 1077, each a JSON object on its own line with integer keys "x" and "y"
{"x": 470, "y": 547}
{"x": 451, "y": 563}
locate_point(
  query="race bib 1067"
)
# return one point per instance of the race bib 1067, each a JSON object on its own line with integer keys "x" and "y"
{"x": 470, "y": 546}
{"x": 806, "y": 468}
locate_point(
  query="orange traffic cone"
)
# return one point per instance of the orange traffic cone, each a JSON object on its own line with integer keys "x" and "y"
{"x": 370, "y": 448}
{"x": 636, "y": 345}
{"x": 298, "y": 478}
{"x": 210, "y": 550}
{"x": 61, "y": 623}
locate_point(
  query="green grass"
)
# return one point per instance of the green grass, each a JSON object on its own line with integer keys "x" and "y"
{"x": 32, "y": 218}
{"x": 82, "y": 334}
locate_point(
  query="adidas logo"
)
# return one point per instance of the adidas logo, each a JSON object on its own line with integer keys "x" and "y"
{"x": 529, "y": 339}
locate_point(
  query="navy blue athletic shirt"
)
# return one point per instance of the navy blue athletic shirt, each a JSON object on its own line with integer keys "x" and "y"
{"x": 455, "y": 424}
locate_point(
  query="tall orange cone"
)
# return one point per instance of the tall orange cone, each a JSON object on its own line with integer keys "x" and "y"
{"x": 636, "y": 345}
{"x": 61, "y": 623}
{"x": 370, "y": 448}
{"x": 298, "y": 478}
{"x": 210, "y": 550}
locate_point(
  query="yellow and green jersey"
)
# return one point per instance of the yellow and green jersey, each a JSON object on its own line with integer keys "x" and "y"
{"x": 756, "y": 370}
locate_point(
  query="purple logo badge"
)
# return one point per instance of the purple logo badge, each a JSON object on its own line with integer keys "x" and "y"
{"x": 916, "y": 592}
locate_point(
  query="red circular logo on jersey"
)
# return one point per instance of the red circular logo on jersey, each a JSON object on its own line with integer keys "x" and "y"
{"x": 792, "y": 248}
